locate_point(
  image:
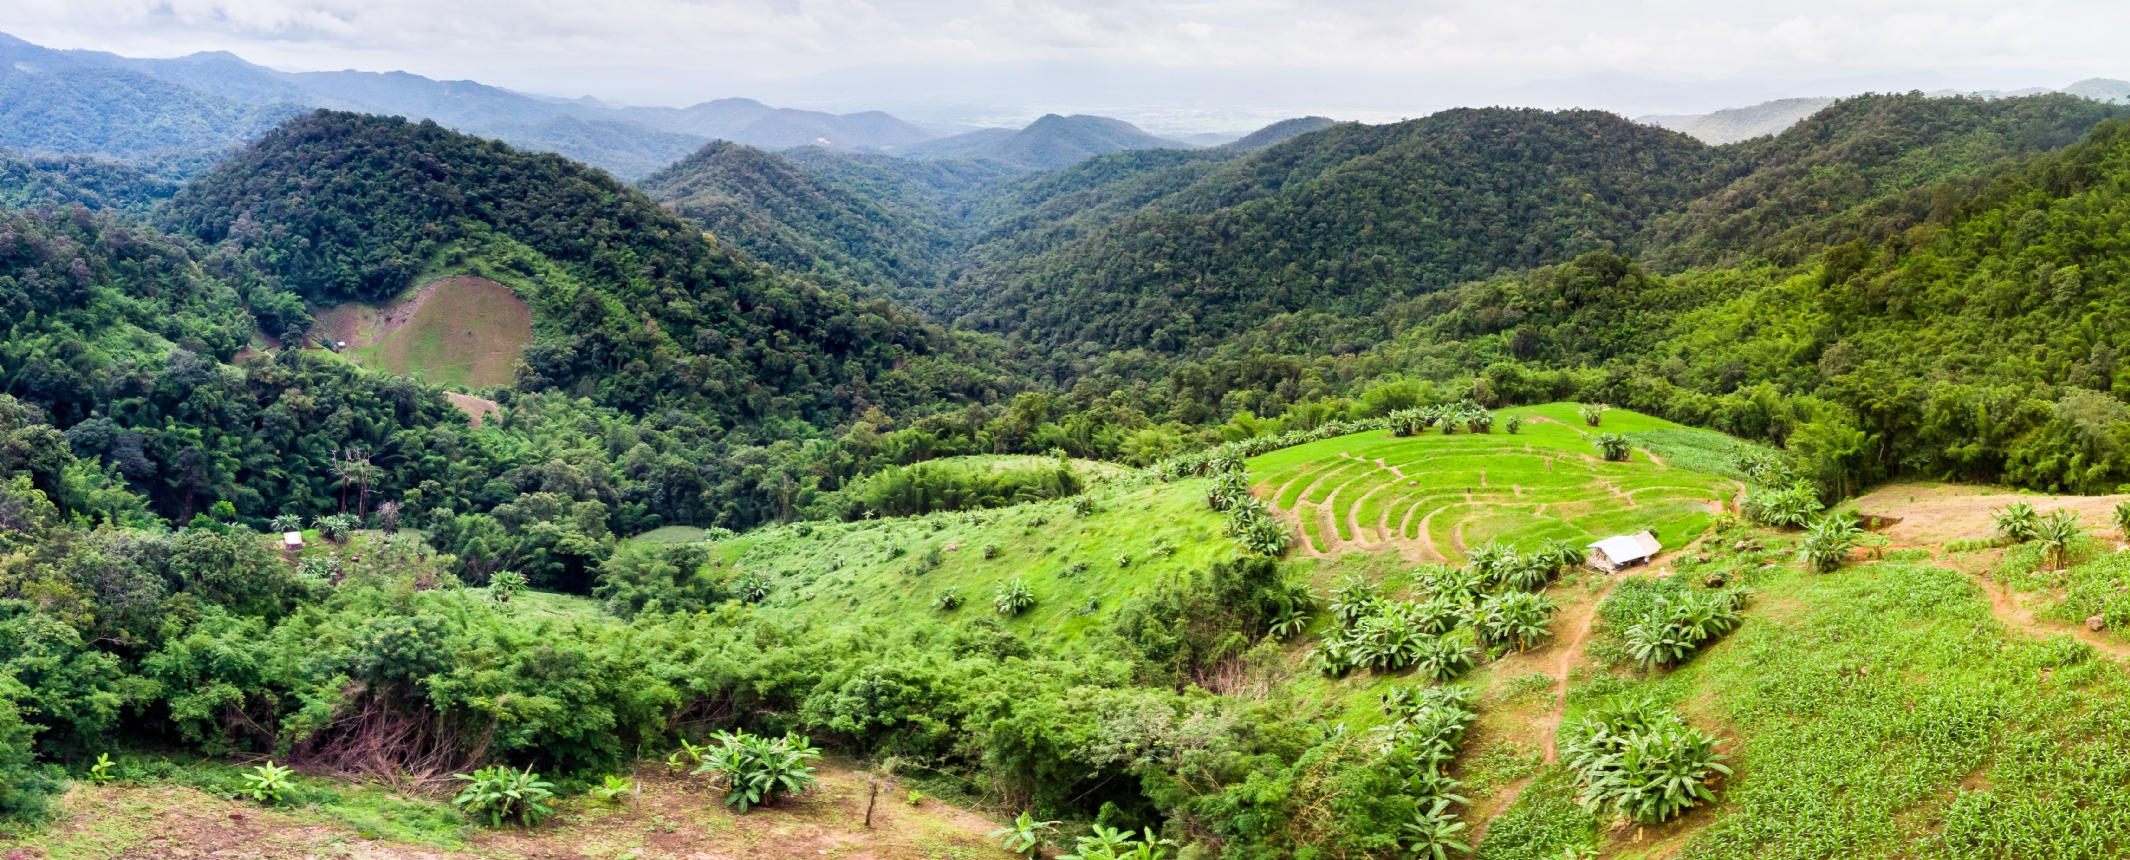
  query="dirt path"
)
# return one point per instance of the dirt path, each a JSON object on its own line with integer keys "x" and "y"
{"x": 1581, "y": 618}
{"x": 2009, "y": 609}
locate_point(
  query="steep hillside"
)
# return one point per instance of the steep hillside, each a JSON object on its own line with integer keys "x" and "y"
{"x": 886, "y": 239}
{"x": 1865, "y": 167}
{"x": 614, "y": 279}
{"x": 1344, "y": 220}
{"x": 91, "y": 182}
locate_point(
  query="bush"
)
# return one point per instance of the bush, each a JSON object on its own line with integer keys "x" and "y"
{"x": 498, "y": 793}
{"x": 1592, "y": 413}
{"x": 1513, "y": 618}
{"x": 1611, "y": 446}
{"x": 2016, "y": 522}
{"x": 1673, "y": 627}
{"x": 267, "y": 783}
{"x": 1787, "y": 506}
{"x": 1828, "y": 541}
{"x": 949, "y": 599}
{"x": 758, "y": 771}
{"x": 1012, "y": 598}
{"x": 1640, "y": 761}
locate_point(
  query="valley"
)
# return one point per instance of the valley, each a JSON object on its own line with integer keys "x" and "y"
{"x": 678, "y": 475}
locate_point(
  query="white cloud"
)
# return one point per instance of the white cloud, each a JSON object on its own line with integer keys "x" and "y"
{"x": 711, "y": 43}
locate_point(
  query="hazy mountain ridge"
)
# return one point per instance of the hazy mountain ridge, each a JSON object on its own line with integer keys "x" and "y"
{"x": 1049, "y": 143}
{"x": 122, "y": 107}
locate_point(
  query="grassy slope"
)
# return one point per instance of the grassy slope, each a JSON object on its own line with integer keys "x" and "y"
{"x": 468, "y": 333}
{"x": 1543, "y": 482}
{"x": 853, "y": 571}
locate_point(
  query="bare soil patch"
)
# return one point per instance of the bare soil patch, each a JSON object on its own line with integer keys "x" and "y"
{"x": 1932, "y": 515}
{"x": 476, "y": 408}
{"x": 671, "y": 818}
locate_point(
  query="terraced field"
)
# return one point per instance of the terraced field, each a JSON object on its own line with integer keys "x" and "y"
{"x": 1430, "y": 497}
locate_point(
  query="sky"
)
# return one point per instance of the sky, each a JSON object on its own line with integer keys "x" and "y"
{"x": 1203, "y": 63}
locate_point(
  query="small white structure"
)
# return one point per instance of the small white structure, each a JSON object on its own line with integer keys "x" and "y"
{"x": 1621, "y": 551}
{"x": 291, "y": 541}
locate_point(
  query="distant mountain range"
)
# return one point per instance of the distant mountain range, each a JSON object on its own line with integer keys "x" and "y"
{"x": 180, "y": 113}
{"x": 1767, "y": 118}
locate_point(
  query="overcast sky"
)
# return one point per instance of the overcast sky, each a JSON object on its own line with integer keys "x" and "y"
{"x": 1362, "y": 58}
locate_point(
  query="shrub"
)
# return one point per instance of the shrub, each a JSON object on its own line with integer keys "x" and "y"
{"x": 498, "y": 793}
{"x": 1433, "y": 833}
{"x": 2121, "y": 517}
{"x": 949, "y": 599}
{"x": 1829, "y": 540}
{"x": 1611, "y": 446}
{"x": 751, "y": 588}
{"x": 1012, "y": 598}
{"x": 266, "y": 783}
{"x": 505, "y": 584}
{"x": 287, "y": 523}
{"x": 1640, "y": 761}
{"x": 1445, "y": 657}
{"x": 1673, "y": 627}
{"x": 757, "y": 771}
{"x": 1024, "y": 836}
{"x": 990, "y": 551}
{"x": 1791, "y": 505}
{"x": 2017, "y": 521}
{"x": 1109, "y": 843}
{"x": 612, "y": 787}
{"x": 1514, "y": 424}
{"x": 1514, "y": 617}
{"x": 2057, "y": 532}
{"x": 1592, "y": 413}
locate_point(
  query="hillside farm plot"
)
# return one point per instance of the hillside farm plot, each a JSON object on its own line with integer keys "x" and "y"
{"x": 456, "y": 331}
{"x": 1432, "y": 497}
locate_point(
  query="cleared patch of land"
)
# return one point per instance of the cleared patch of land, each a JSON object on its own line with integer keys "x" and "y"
{"x": 461, "y": 330}
{"x": 671, "y": 817}
{"x": 1932, "y": 515}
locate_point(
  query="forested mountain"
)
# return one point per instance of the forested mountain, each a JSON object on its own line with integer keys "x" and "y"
{"x": 92, "y": 182}
{"x": 66, "y": 102}
{"x": 1049, "y": 143}
{"x": 200, "y": 105}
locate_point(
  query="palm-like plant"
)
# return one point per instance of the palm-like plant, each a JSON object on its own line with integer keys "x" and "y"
{"x": 1640, "y": 760}
{"x": 1109, "y": 843}
{"x": 287, "y": 523}
{"x": 2057, "y": 532}
{"x": 2122, "y": 518}
{"x": 1829, "y": 540}
{"x": 1592, "y": 413}
{"x": 1514, "y": 617}
{"x": 267, "y": 782}
{"x": 2017, "y": 521}
{"x": 1443, "y": 658}
{"x": 1354, "y": 599}
{"x": 1791, "y": 505}
{"x": 756, "y": 771}
{"x": 1024, "y": 836}
{"x": 949, "y": 599}
{"x": 1433, "y": 833}
{"x": 505, "y": 584}
{"x": 751, "y": 588}
{"x": 499, "y": 793}
{"x": 1611, "y": 446}
{"x": 1479, "y": 421}
{"x": 1012, "y": 598}
{"x": 1514, "y": 424}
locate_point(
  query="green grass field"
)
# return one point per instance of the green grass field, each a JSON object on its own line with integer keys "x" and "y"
{"x": 1434, "y": 496}
{"x": 890, "y": 570}
{"x": 458, "y": 331}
